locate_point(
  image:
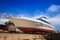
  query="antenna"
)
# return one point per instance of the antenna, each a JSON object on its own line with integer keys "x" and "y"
{"x": 4, "y": 14}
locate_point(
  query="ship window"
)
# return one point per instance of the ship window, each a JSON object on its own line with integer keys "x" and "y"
{"x": 40, "y": 24}
{"x": 44, "y": 25}
{"x": 47, "y": 26}
{"x": 51, "y": 27}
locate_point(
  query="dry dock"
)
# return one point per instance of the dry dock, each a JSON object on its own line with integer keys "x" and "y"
{"x": 18, "y": 36}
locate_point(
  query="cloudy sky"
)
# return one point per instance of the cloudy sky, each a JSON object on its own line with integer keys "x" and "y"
{"x": 33, "y": 9}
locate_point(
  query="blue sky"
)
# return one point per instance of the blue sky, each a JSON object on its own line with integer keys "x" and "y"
{"x": 33, "y": 9}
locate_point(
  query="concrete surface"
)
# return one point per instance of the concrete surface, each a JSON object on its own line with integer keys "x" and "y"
{"x": 17, "y": 36}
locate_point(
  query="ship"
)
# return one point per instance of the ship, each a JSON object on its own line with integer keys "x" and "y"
{"x": 27, "y": 25}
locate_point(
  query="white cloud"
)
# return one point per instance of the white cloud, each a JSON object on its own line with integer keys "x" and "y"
{"x": 53, "y": 8}
{"x": 56, "y": 19}
{"x": 55, "y": 11}
{"x": 52, "y": 11}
